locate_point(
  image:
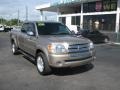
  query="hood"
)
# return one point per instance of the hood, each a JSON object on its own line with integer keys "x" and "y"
{"x": 66, "y": 38}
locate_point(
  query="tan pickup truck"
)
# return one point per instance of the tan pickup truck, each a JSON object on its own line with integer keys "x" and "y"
{"x": 52, "y": 44}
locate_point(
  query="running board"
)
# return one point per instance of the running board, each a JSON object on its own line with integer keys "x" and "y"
{"x": 28, "y": 56}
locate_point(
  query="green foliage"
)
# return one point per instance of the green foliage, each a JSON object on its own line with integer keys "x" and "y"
{"x": 3, "y": 21}
{"x": 12, "y": 22}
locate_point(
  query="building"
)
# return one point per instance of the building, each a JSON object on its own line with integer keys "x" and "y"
{"x": 103, "y": 15}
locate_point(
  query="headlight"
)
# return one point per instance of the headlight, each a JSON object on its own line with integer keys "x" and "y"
{"x": 58, "y": 48}
{"x": 91, "y": 45}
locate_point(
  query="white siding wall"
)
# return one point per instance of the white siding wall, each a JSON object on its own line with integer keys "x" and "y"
{"x": 68, "y": 21}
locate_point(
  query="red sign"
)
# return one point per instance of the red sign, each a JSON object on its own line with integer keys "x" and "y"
{"x": 98, "y": 6}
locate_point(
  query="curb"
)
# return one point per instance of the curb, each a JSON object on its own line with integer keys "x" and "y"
{"x": 109, "y": 43}
{"x": 116, "y": 43}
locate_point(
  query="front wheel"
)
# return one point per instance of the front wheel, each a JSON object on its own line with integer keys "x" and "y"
{"x": 42, "y": 64}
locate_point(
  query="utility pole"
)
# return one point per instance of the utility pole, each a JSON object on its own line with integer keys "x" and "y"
{"x": 18, "y": 18}
{"x": 1, "y": 20}
{"x": 26, "y": 13}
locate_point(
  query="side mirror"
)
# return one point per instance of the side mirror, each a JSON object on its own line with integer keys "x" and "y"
{"x": 30, "y": 33}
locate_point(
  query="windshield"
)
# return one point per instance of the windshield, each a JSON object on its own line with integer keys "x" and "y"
{"x": 52, "y": 29}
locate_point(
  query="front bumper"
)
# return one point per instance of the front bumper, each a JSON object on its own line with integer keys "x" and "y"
{"x": 73, "y": 60}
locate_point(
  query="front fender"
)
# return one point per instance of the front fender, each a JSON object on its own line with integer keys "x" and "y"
{"x": 44, "y": 50}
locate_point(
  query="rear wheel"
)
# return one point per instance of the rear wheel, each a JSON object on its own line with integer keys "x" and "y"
{"x": 106, "y": 40}
{"x": 14, "y": 48}
{"x": 42, "y": 64}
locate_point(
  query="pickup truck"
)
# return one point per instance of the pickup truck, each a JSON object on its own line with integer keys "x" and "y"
{"x": 51, "y": 44}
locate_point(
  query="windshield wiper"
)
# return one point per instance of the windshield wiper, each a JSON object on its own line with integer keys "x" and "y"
{"x": 62, "y": 33}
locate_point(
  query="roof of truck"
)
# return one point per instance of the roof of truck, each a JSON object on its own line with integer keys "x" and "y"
{"x": 41, "y": 22}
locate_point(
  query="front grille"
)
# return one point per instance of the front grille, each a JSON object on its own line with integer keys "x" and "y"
{"x": 78, "y": 48}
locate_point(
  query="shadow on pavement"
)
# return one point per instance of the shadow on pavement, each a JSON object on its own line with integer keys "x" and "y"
{"x": 29, "y": 59}
{"x": 72, "y": 71}
{"x": 66, "y": 71}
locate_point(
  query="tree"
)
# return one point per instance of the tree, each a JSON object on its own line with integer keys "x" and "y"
{"x": 3, "y": 21}
{"x": 12, "y": 22}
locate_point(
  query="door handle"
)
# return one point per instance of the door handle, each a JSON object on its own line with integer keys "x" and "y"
{"x": 30, "y": 39}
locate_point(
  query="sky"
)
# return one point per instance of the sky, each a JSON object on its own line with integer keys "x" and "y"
{"x": 9, "y": 8}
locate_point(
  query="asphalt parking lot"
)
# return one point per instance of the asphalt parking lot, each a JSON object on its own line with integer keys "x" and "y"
{"x": 19, "y": 73}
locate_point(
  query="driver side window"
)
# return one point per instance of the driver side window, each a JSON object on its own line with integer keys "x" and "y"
{"x": 31, "y": 28}
{"x": 24, "y": 28}
{"x": 28, "y": 28}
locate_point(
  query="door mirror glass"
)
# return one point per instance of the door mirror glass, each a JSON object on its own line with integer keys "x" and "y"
{"x": 30, "y": 33}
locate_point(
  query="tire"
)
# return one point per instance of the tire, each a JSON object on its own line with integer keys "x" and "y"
{"x": 106, "y": 40}
{"x": 14, "y": 48}
{"x": 42, "y": 64}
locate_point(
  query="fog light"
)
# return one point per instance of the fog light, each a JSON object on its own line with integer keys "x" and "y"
{"x": 59, "y": 63}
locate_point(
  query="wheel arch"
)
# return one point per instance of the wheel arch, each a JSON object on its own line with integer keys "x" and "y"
{"x": 41, "y": 51}
{"x": 12, "y": 40}
{"x": 38, "y": 50}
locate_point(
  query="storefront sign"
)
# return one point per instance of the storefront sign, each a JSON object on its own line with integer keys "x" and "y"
{"x": 106, "y": 6}
{"x": 60, "y": 2}
{"x": 109, "y": 5}
{"x": 66, "y": 1}
{"x": 63, "y": 2}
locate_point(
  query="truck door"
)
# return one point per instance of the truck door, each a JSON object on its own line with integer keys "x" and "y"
{"x": 30, "y": 39}
{"x": 21, "y": 36}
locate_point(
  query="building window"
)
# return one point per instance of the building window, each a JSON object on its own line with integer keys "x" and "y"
{"x": 100, "y": 22}
{"x": 75, "y": 20}
{"x": 89, "y": 7}
{"x": 62, "y": 20}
